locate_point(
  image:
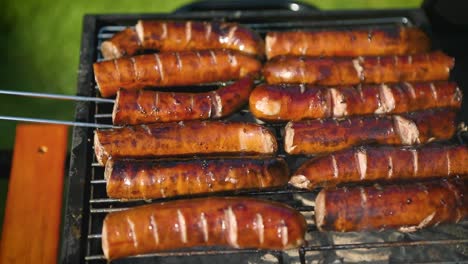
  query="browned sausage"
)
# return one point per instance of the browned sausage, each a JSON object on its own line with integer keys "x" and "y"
{"x": 405, "y": 207}
{"x": 432, "y": 66}
{"x": 384, "y": 163}
{"x": 198, "y": 35}
{"x": 124, "y": 43}
{"x": 348, "y": 43}
{"x": 131, "y": 179}
{"x": 143, "y": 107}
{"x": 172, "y": 69}
{"x": 295, "y": 102}
{"x": 322, "y": 136}
{"x": 236, "y": 222}
{"x": 183, "y": 138}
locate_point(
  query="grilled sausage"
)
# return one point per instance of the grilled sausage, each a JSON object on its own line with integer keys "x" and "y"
{"x": 296, "y": 102}
{"x": 198, "y": 35}
{"x": 172, "y": 69}
{"x": 143, "y": 107}
{"x": 386, "y": 163}
{"x": 131, "y": 179}
{"x": 405, "y": 207}
{"x": 183, "y": 138}
{"x": 348, "y": 43}
{"x": 236, "y": 222}
{"x": 124, "y": 43}
{"x": 432, "y": 66}
{"x": 322, "y": 136}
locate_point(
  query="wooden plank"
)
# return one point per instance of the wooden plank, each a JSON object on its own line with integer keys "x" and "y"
{"x": 31, "y": 226}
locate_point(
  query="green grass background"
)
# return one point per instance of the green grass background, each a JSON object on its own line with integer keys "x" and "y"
{"x": 39, "y": 51}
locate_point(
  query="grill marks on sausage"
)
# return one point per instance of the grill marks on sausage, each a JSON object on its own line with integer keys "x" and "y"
{"x": 139, "y": 107}
{"x": 178, "y": 36}
{"x": 344, "y": 71}
{"x": 388, "y": 163}
{"x": 150, "y": 179}
{"x": 327, "y": 135}
{"x": 296, "y": 102}
{"x": 347, "y": 42}
{"x": 406, "y": 207}
{"x": 235, "y": 222}
{"x": 173, "y": 69}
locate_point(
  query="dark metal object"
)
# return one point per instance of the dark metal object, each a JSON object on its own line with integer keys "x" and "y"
{"x": 86, "y": 202}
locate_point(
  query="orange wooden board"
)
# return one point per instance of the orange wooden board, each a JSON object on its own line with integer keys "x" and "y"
{"x": 31, "y": 226}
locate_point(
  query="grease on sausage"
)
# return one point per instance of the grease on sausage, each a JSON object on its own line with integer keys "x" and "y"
{"x": 407, "y": 207}
{"x": 298, "y": 101}
{"x": 182, "y": 139}
{"x": 433, "y": 66}
{"x": 132, "y": 179}
{"x": 348, "y": 43}
{"x": 172, "y": 69}
{"x": 384, "y": 163}
{"x": 143, "y": 106}
{"x": 235, "y": 222}
{"x": 328, "y": 135}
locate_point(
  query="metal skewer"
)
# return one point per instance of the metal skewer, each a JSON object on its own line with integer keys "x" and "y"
{"x": 60, "y": 97}
{"x": 59, "y": 122}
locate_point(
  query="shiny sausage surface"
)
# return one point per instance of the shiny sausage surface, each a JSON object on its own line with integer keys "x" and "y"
{"x": 433, "y": 66}
{"x": 167, "y": 35}
{"x": 407, "y": 207}
{"x": 143, "y": 106}
{"x": 123, "y": 43}
{"x": 348, "y": 43}
{"x": 299, "y": 101}
{"x": 131, "y": 179}
{"x": 385, "y": 163}
{"x": 183, "y": 139}
{"x": 328, "y": 135}
{"x": 172, "y": 69}
{"x": 235, "y": 222}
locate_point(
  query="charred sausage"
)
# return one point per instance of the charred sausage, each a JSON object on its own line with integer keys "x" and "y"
{"x": 432, "y": 66}
{"x": 328, "y": 135}
{"x": 385, "y": 163}
{"x": 405, "y": 207}
{"x": 131, "y": 179}
{"x": 180, "y": 36}
{"x": 143, "y": 107}
{"x": 124, "y": 43}
{"x": 172, "y": 69}
{"x": 348, "y": 43}
{"x": 235, "y": 222}
{"x": 296, "y": 102}
{"x": 183, "y": 138}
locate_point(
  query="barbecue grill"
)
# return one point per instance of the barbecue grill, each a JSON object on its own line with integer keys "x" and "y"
{"x": 86, "y": 202}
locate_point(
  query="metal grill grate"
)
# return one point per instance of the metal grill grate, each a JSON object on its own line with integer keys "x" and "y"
{"x": 321, "y": 246}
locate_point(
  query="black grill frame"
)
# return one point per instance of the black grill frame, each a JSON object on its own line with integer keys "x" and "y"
{"x": 76, "y": 238}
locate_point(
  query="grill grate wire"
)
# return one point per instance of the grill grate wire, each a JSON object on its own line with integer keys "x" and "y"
{"x": 100, "y": 204}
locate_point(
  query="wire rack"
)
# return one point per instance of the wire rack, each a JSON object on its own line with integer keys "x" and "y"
{"x": 321, "y": 246}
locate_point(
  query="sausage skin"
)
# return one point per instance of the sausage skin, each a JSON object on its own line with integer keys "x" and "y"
{"x": 294, "y": 102}
{"x": 183, "y": 139}
{"x": 348, "y": 43}
{"x": 143, "y": 106}
{"x": 433, "y": 66}
{"x": 236, "y": 222}
{"x": 131, "y": 179}
{"x": 407, "y": 207}
{"x": 384, "y": 163}
{"x": 123, "y": 43}
{"x": 172, "y": 69}
{"x": 328, "y": 135}
{"x": 198, "y": 35}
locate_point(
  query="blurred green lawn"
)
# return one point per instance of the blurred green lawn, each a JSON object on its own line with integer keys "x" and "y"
{"x": 39, "y": 50}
